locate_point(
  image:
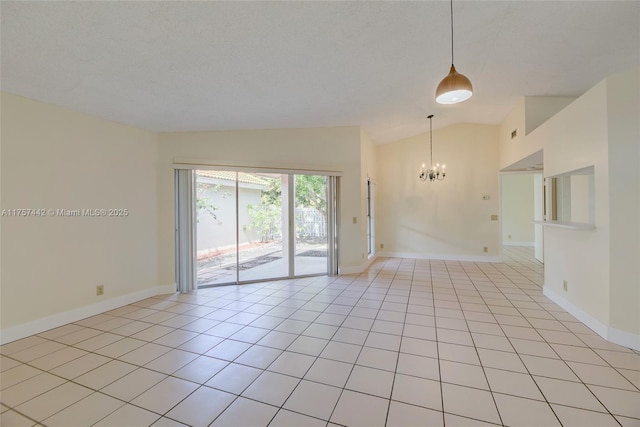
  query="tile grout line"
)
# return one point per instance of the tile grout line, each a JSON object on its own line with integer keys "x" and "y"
{"x": 484, "y": 291}
{"x": 474, "y": 345}
{"x": 565, "y": 364}
{"x": 395, "y": 371}
{"x": 435, "y": 327}
{"x": 363, "y": 345}
{"x": 522, "y": 361}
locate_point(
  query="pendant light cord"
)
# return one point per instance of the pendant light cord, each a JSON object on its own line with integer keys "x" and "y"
{"x": 451, "y": 32}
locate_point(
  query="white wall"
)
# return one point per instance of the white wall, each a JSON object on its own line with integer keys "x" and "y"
{"x": 56, "y": 158}
{"x": 513, "y": 149}
{"x": 574, "y": 139}
{"x": 623, "y": 108}
{"x": 517, "y": 209}
{"x": 538, "y": 109}
{"x": 601, "y": 266}
{"x": 581, "y": 198}
{"x": 529, "y": 113}
{"x": 321, "y": 149}
{"x": 445, "y": 219}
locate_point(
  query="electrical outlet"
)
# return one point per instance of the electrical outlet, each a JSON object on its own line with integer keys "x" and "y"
{"x": 355, "y": 219}
{"x": 509, "y": 237}
{"x": 564, "y": 285}
{"x": 494, "y": 217}
{"x": 381, "y": 245}
{"x": 100, "y": 290}
{"x": 485, "y": 249}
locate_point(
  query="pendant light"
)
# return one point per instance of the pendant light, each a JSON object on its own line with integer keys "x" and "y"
{"x": 455, "y": 87}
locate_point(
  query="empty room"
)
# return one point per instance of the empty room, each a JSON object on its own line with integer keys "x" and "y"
{"x": 319, "y": 213}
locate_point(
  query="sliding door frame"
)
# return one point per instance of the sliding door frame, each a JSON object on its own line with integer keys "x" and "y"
{"x": 186, "y": 247}
{"x": 333, "y": 219}
{"x": 185, "y": 243}
{"x": 291, "y": 235}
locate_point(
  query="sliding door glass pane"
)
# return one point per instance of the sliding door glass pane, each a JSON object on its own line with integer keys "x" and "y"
{"x": 263, "y": 225}
{"x": 310, "y": 225}
{"x": 260, "y": 226}
{"x": 215, "y": 227}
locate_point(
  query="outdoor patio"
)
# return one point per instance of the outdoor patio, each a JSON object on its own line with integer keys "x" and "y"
{"x": 262, "y": 261}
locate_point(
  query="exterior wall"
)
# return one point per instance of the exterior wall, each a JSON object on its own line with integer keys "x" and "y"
{"x": 446, "y": 219}
{"x": 54, "y": 158}
{"x": 220, "y": 232}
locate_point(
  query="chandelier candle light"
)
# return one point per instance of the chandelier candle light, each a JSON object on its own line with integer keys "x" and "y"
{"x": 434, "y": 173}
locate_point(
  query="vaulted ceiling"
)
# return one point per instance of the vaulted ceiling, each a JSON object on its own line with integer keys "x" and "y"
{"x": 186, "y": 66}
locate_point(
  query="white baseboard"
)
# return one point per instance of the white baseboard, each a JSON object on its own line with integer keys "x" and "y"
{"x": 44, "y": 324}
{"x": 614, "y": 335}
{"x": 443, "y": 257}
{"x": 624, "y": 338}
{"x": 512, "y": 243}
{"x": 358, "y": 268}
{"x": 591, "y": 322}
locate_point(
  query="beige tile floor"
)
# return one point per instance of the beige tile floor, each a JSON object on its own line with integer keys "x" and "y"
{"x": 407, "y": 343}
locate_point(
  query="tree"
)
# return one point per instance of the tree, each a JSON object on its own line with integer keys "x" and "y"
{"x": 204, "y": 204}
{"x": 265, "y": 220}
{"x": 310, "y": 192}
{"x": 265, "y": 217}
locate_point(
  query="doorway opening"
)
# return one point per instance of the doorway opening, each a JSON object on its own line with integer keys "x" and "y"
{"x": 371, "y": 217}
{"x": 523, "y": 204}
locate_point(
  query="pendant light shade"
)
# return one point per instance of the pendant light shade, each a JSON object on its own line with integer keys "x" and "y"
{"x": 454, "y": 88}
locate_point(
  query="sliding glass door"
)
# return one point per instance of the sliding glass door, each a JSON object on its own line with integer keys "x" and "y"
{"x": 253, "y": 226}
{"x": 263, "y": 224}
{"x": 215, "y": 227}
{"x": 311, "y": 224}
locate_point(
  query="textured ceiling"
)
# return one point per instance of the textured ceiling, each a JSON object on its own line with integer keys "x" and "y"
{"x": 185, "y": 66}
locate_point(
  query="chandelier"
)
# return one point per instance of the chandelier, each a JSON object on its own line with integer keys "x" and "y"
{"x": 434, "y": 173}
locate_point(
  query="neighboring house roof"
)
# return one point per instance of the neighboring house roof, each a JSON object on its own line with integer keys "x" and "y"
{"x": 231, "y": 176}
